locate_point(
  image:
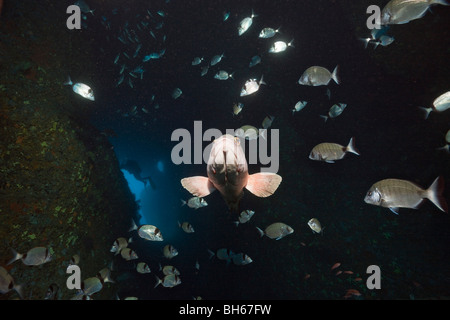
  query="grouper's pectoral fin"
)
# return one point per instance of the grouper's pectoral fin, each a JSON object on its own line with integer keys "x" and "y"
{"x": 198, "y": 186}
{"x": 263, "y": 184}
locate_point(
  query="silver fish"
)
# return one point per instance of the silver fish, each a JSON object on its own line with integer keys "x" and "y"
{"x": 105, "y": 275}
{"x": 90, "y": 286}
{"x": 204, "y": 70}
{"x": 168, "y": 281}
{"x": 315, "y": 225}
{"x": 186, "y": 226}
{"x": 254, "y": 61}
{"x": 280, "y": 46}
{"x": 249, "y": 132}
{"x": 119, "y": 244}
{"x": 318, "y": 76}
{"x": 267, "y": 122}
{"x": 241, "y": 259}
{"x": 82, "y": 89}
{"x": 176, "y": 93}
{"x": 34, "y": 257}
{"x": 246, "y": 23}
{"x": 237, "y": 108}
{"x": 335, "y": 111}
{"x": 277, "y": 230}
{"x": 170, "y": 270}
{"x": 216, "y": 59}
{"x": 299, "y": 106}
{"x": 143, "y": 268}
{"x": 197, "y": 61}
{"x": 245, "y": 216}
{"x": 251, "y": 86}
{"x": 268, "y": 33}
{"x": 195, "y": 202}
{"x": 170, "y": 251}
{"x": 222, "y": 254}
{"x": 404, "y": 11}
{"x": 7, "y": 283}
{"x": 128, "y": 254}
{"x": 223, "y": 75}
{"x": 395, "y": 194}
{"x": 330, "y": 152}
{"x": 440, "y": 104}
{"x": 148, "y": 232}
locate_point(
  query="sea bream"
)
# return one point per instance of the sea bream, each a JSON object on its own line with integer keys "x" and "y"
{"x": 334, "y": 111}
{"x": 396, "y": 193}
{"x": 34, "y": 257}
{"x": 277, "y": 231}
{"x": 299, "y": 106}
{"x": 194, "y": 202}
{"x": 268, "y": 33}
{"x": 82, "y": 89}
{"x": 168, "y": 281}
{"x": 216, "y": 59}
{"x": 280, "y": 46}
{"x": 440, "y": 104}
{"x": 404, "y": 11}
{"x": 227, "y": 172}
{"x": 251, "y": 86}
{"x": 147, "y": 231}
{"x": 330, "y": 152}
{"x": 318, "y": 76}
{"x": 7, "y": 283}
{"x": 223, "y": 75}
{"x": 246, "y": 23}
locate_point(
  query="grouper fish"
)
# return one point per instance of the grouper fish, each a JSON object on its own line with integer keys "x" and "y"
{"x": 227, "y": 172}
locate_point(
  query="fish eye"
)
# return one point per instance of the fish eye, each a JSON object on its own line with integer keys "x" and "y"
{"x": 369, "y": 193}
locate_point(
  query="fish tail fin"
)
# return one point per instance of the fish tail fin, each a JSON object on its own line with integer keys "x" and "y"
{"x": 158, "y": 281}
{"x": 133, "y": 226}
{"x": 16, "y": 256}
{"x": 427, "y": 111}
{"x": 261, "y": 81}
{"x": 263, "y": 133}
{"x": 335, "y": 76}
{"x": 445, "y": 148}
{"x": 183, "y": 202}
{"x": 253, "y": 14}
{"x": 325, "y": 118}
{"x": 351, "y": 147}
{"x": 260, "y": 232}
{"x": 278, "y": 30}
{"x": 68, "y": 81}
{"x": 19, "y": 289}
{"x": 231, "y": 75}
{"x": 290, "y": 44}
{"x": 236, "y": 223}
{"x": 211, "y": 254}
{"x": 366, "y": 42}
{"x": 434, "y": 194}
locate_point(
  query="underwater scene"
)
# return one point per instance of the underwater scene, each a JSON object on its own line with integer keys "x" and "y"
{"x": 224, "y": 150}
